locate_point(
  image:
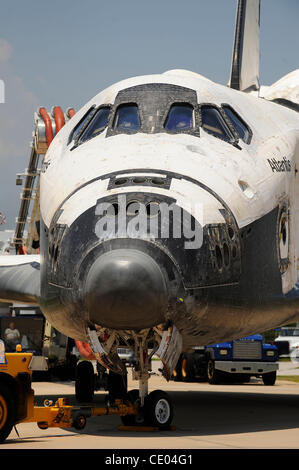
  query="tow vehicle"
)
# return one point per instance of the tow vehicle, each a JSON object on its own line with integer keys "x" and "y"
{"x": 230, "y": 362}
{"x": 17, "y": 400}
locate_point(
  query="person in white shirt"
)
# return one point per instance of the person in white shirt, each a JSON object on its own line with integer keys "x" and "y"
{"x": 12, "y": 337}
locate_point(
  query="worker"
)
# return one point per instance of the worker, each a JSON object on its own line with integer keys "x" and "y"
{"x": 12, "y": 337}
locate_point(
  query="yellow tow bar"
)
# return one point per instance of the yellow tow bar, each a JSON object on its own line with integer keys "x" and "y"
{"x": 62, "y": 415}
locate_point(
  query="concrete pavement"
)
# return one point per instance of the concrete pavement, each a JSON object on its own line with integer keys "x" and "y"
{"x": 206, "y": 417}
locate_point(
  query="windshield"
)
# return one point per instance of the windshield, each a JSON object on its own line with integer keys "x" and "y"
{"x": 238, "y": 124}
{"x": 290, "y": 332}
{"x": 75, "y": 132}
{"x": 213, "y": 123}
{"x": 97, "y": 125}
{"x": 180, "y": 118}
{"x": 127, "y": 118}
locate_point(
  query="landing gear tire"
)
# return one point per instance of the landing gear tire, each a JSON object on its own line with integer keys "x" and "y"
{"x": 158, "y": 409}
{"x": 134, "y": 420}
{"x": 7, "y": 412}
{"x": 214, "y": 376}
{"x": 269, "y": 378}
{"x": 84, "y": 386}
{"x": 117, "y": 386}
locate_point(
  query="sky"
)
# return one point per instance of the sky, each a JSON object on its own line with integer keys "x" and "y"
{"x": 65, "y": 52}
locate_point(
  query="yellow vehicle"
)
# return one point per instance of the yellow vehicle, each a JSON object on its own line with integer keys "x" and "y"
{"x": 16, "y": 395}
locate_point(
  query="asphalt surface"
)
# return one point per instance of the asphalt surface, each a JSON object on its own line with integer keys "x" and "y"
{"x": 248, "y": 416}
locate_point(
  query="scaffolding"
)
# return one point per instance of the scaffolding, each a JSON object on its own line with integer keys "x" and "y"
{"x": 47, "y": 125}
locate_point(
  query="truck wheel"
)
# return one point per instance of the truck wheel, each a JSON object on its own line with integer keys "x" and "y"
{"x": 212, "y": 373}
{"x": 84, "y": 385}
{"x": 269, "y": 378}
{"x": 187, "y": 368}
{"x": 7, "y": 412}
{"x": 158, "y": 409}
{"x": 177, "y": 373}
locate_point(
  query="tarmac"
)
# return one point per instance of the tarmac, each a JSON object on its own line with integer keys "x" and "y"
{"x": 247, "y": 416}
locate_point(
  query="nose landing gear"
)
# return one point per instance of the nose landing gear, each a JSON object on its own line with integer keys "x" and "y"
{"x": 155, "y": 409}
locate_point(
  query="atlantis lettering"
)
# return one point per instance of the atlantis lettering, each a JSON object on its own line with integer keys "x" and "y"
{"x": 280, "y": 165}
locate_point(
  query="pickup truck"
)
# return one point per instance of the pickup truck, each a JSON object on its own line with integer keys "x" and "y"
{"x": 232, "y": 361}
{"x": 288, "y": 342}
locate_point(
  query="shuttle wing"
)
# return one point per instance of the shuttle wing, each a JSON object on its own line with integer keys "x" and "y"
{"x": 246, "y": 52}
{"x": 20, "y": 278}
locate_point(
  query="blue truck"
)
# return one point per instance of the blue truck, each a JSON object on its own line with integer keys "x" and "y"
{"x": 232, "y": 361}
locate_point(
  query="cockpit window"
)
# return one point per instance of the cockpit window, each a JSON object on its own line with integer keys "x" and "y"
{"x": 75, "y": 132}
{"x": 97, "y": 124}
{"x": 180, "y": 118}
{"x": 127, "y": 118}
{"x": 239, "y": 125}
{"x": 213, "y": 122}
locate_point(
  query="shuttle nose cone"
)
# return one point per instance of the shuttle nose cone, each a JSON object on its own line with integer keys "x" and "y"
{"x": 125, "y": 289}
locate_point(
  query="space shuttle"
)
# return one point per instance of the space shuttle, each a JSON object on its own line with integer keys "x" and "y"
{"x": 169, "y": 217}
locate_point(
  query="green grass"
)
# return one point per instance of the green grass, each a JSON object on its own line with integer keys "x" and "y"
{"x": 290, "y": 378}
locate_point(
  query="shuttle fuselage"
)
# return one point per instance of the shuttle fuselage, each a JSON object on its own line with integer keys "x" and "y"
{"x": 218, "y": 205}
